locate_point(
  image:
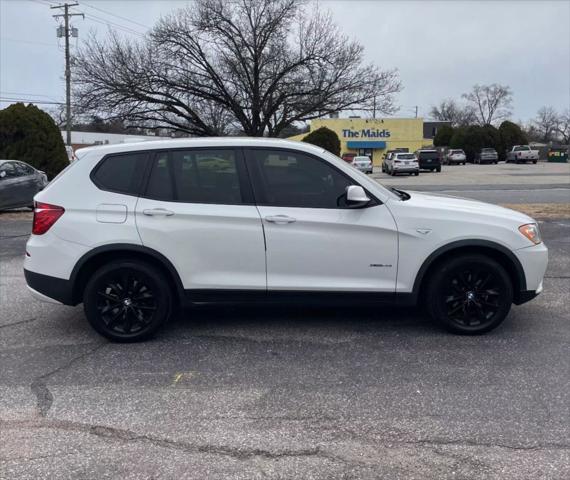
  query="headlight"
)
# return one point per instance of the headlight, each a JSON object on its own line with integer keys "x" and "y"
{"x": 531, "y": 231}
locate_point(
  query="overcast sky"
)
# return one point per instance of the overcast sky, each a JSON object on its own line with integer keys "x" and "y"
{"x": 441, "y": 48}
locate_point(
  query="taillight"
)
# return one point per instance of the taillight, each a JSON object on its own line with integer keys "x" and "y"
{"x": 45, "y": 215}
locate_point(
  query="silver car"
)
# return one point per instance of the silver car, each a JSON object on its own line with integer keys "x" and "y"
{"x": 362, "y": 163}
{"x": 19, "y": 182}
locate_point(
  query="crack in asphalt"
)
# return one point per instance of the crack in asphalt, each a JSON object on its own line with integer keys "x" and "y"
{"x": 44, "y": 398}
{"x": 124, "y": 435}
{"x": 18, "y": 323}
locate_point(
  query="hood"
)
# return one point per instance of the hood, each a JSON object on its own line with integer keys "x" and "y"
{"x": 464, "y": 206}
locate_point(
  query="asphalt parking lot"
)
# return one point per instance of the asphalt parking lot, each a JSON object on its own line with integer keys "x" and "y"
{"x": 349, "y": 393}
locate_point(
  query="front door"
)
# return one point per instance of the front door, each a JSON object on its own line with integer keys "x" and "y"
{"x": 198, "y": 212}
{"x": 12, "y": 186}
{"x": 314, "y": 241}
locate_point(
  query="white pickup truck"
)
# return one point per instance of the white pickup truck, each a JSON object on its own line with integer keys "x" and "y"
{"x": 522, "y": 153}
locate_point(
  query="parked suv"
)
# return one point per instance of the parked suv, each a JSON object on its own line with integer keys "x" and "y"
{"x": 429, "y": 159}
{"x": 132, "y": 230}
{"x": 455, "y": 156}
{"x": 403, "y": 163}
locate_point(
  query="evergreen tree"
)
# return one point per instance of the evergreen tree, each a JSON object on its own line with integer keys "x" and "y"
{"x": 30, "y": 134}
{"x": 324, "y": 137}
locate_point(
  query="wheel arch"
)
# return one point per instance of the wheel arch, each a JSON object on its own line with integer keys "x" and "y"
{"x": 505, "y": 257}
{"x": 99, "y": 256}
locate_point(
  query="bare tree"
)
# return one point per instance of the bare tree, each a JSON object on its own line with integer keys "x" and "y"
{"x": 217, "y": 67}
{"x": 450, "y": 111}
{"x": 563, "y": 126}
{"x": 546, "y": 123}
{"x": 490, "y": 102}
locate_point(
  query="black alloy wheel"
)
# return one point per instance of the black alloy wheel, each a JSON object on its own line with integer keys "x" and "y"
{"x": 470, "y": 294}
{"x": 127, "y": 301}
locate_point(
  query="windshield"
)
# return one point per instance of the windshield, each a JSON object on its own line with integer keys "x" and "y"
{"x": 489, "y": 150}
{"x": 521, "y": 149}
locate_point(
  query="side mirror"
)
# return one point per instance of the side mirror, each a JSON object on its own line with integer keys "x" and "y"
{"x": 356, "y": 196}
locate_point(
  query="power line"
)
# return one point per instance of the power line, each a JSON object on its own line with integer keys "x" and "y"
{"x": 28, "y": 100}
{"x": 102, "y": 21}
{"x": 26, "y": 94}
{"x": 117, "y": 16}
{"x": 16, "y": 40}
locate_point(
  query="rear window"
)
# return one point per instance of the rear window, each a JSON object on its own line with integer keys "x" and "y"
{"x": 196, "y": 176}
{"x": 521, "y": 149}
{"x": 121, "y": 173}
{"x": 427, "y": 155}
{"x": 488, "y": 150}
{"x": 406, "y": 156}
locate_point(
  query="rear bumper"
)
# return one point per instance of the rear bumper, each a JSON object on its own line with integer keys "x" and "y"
{"x": 49, "y": 289}
{"x": 406, "y": 169}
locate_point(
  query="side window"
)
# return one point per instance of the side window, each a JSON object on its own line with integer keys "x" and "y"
{"x": 23, "y": 169}
{"x": 10, "y": 170}
{"x": 196, "y": 176}
{"x": 293, "y": 179}
{"x": 121, "y": 173}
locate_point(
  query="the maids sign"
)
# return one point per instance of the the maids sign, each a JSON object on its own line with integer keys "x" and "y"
{"x": 365, "y": 133}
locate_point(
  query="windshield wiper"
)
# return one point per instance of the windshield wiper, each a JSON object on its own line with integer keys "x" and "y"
{"x": 403, "y": 195}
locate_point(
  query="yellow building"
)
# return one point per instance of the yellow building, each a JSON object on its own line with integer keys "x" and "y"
{"x": 373, "y": 137}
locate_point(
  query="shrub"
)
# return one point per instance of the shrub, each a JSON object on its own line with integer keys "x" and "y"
{"x": 30, "y": 134}
{"x": 510, "y": 134}
{"x": 324, "y": 137}
{"x": 443, "y": 136}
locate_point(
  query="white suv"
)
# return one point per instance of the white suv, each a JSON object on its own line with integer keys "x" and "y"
{"x": 403, "y": 162}
{"x": 134, "y": 230}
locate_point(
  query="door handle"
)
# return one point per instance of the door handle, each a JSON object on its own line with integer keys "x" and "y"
{"x": 280, "y": 219}
{"x": 157, "y": 212}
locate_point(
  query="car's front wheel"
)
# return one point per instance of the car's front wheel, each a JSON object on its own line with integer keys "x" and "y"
{"x": 469, "y": 294}
{"x": 127, "y": 300}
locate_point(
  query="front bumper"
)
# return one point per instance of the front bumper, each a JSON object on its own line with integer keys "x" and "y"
{"x": 534, "y": 260}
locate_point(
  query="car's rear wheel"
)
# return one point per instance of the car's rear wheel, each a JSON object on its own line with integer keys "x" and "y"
{"x": 127, "y": 301}
{"x": 469, "y": 294}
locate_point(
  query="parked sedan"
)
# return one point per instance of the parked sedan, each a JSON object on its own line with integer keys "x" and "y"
{"x": 455, "y": 157}
{"x": 19, "y": 182}
{"x": 487, "y": 155}
{"x": 362, "y": 163}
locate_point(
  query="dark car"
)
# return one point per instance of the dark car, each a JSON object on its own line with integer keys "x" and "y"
{"x": 19, "y": 182}
{"x": 429, "y": 159}
{"x": 487, "y": 155}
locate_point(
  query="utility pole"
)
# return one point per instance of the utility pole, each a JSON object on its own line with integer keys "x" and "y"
{"x": 66, "y": 33}
{"x": 416, "y": 111}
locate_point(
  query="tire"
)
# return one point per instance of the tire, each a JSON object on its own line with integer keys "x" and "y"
{"x": 112, "y": 286}
{"x": 534, "y": 161}
{"x": 416, "y": 173}
{"x": 438, "y": 169}
{"x": 469, "y": 294}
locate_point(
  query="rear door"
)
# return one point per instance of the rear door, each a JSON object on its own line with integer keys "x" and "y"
{"x": 314, "y": 241}
{"x": 198, "y": 211}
